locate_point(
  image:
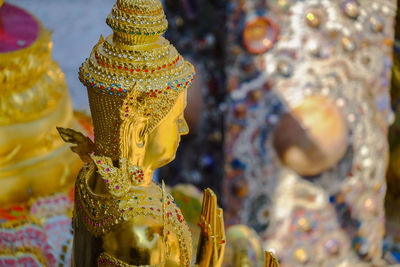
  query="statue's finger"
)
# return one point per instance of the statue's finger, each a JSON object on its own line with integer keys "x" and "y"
{"x": 212, "y": 212}
{"x": 207, "y": 200}
{"x": 220, "y": 225}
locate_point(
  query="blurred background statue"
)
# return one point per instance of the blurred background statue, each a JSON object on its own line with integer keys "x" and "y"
{"x": 36, "y": 168}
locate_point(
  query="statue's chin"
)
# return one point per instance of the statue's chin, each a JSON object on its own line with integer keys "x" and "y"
{"x": 163, "y": 160}
{"x": 168, "y": 160}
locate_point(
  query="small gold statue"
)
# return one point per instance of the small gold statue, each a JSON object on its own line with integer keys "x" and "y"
{"x": 137, "y": 84}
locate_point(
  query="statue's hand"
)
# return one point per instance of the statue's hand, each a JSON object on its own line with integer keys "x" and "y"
{"x": 211, "y": 247}
{"x": 84, "y": 146}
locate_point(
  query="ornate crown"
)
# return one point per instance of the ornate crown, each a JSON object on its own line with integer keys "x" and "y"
{"x": 135, "y": 68}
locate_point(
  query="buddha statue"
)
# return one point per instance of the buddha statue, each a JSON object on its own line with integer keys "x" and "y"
{"x": 137, "y": 85}
{"x": 33, "y": 100}
{"x": 37, "y": 169}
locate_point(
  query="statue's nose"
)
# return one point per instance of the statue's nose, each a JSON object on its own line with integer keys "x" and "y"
{"x": 183, "y": 127}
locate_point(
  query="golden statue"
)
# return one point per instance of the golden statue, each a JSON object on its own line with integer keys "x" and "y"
{"x": 37, "y": 169}
{"x": 33, "y": 100}
{"x": 137, "y": 84}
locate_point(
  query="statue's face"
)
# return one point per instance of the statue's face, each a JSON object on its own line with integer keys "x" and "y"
{"x": 163, "y": 141}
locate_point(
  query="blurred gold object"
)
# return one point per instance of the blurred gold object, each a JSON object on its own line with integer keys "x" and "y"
{"x": 33, "y": 100}
{"x": 270, "y": 260}
{"x": 244, "y": 247}
{"x": 318, "y": 139}
{"x": 137, "y": 86}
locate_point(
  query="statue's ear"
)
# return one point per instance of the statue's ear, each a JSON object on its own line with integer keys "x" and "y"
{"x": 141, "y": 132}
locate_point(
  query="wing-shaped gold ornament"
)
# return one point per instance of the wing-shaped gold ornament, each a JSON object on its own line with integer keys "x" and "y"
{"x": 84, "y": 146}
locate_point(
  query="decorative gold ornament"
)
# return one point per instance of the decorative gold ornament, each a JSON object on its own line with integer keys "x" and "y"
{"x": 137, "y": 86}
{"x": 313, "y": 17}
{"x": 259, "y": 35}
{"x": 351, "y": 8}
